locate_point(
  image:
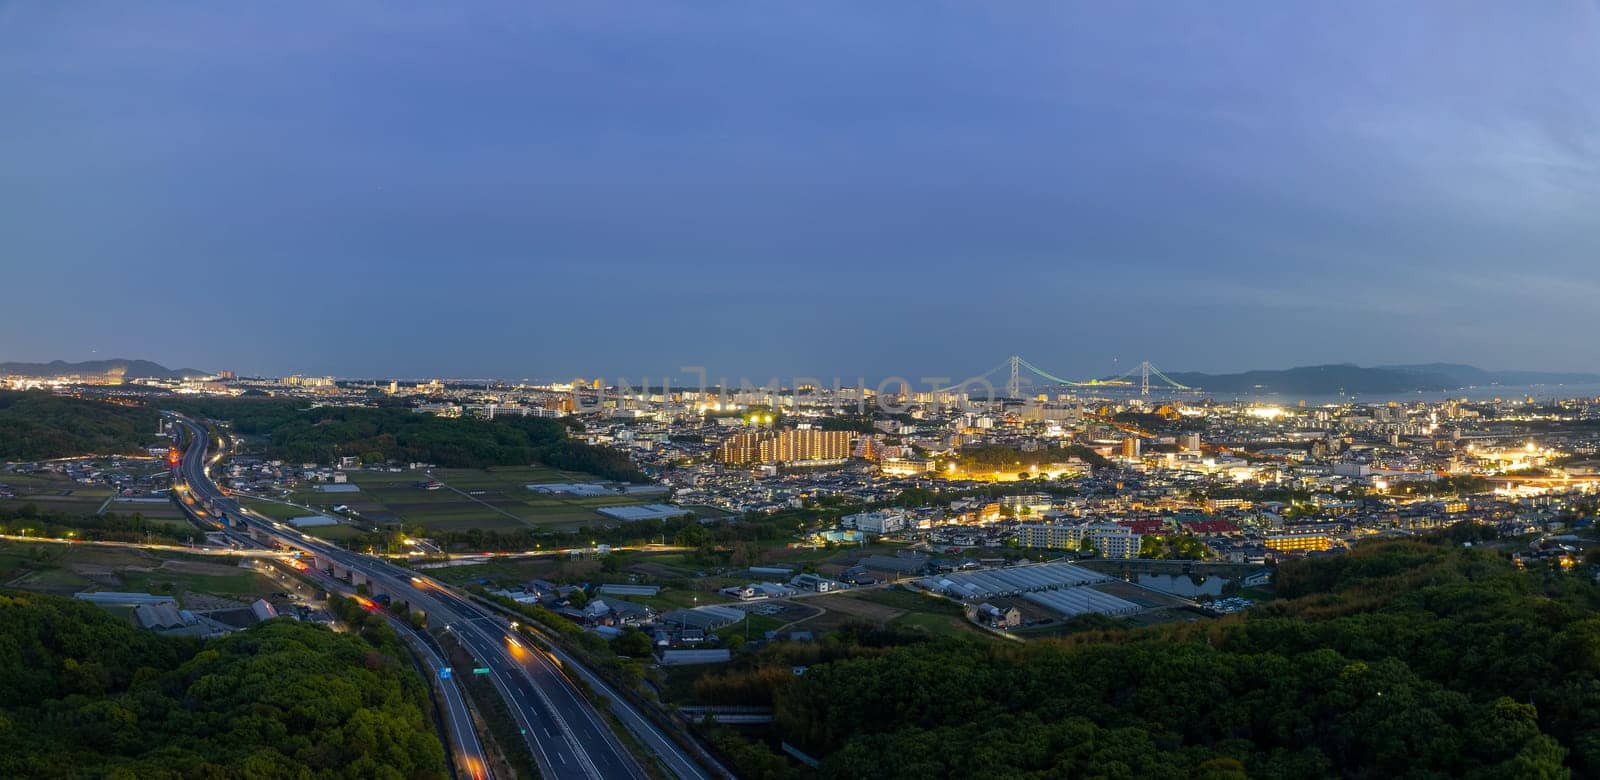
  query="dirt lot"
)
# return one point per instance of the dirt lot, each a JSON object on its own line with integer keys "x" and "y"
{"x": 857, "y": 607}
{"x": 842, "y": 609}
{"x": 1144, "y": 597}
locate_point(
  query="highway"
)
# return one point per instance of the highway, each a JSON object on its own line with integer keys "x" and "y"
{"x": 567, "y": 737}
{"x": 468, "y": 752}
{"x": 465, "y": 749}
{"x": 176, "y": 548}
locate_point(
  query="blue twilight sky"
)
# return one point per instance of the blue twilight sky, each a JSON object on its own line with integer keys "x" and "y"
{"x": 544, "y": 189}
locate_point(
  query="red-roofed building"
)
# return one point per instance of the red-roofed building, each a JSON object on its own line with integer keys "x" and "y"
{"x": 1147, "y": 527}
{"x": 1210, "y": 527}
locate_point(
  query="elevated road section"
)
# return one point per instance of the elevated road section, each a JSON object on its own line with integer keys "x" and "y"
{"x": 567, "y": 737}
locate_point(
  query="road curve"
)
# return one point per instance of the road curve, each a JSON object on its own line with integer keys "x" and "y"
{"x": 567, "y": 737}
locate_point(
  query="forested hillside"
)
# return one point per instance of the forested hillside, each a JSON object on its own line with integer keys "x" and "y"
{"x": 83, "y": 694}
{"x": 37, "y": 425}
{"x": 1403, "y": 658}
{"x": 396, "y": 433}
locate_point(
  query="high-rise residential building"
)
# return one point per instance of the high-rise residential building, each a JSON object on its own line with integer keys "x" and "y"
{"x": 741, "y": 448}
{"x": 307, "y": 381}
{"x": 868, "y": 448}
{"x": 1130, "y": 447}
{"x": 788, "y": 446}
{"x": 1189, "y": 442}
{"x": 1110, "y": 540}
{"x": 1049, "y": 537}
{"x": 1298, "y": 541}
{"x": 1119, "y": 542}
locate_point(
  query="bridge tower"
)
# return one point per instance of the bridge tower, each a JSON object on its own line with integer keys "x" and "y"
{"x": 1144, "y": 378}
{"x": 1014, "y": 384}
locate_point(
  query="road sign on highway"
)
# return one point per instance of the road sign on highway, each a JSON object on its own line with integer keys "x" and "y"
{"x": 481, "y": 670}
{"x": 444, "y": 673}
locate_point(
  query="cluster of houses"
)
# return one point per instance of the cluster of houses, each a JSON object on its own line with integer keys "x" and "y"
{"x": 608, "y": 613}
{"x": 162, "y": 615}
{"x": 128, "y": 477}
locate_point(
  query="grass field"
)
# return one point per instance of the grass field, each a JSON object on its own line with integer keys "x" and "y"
{"x": 13, "y": 558}
{"x": 1259, "y": 594}
{"x": 244, "y": 583}
{"x": 170, "y": 523}
{"x": 51, "y": 580}
{"x": 272, "y": 509}
{"x": 754, "y": 626}
{"x": 940, "y": 625}
{"x": 335, "y": 533}
{"x": 680, "y": 598}
{"x": 706, "y": 511}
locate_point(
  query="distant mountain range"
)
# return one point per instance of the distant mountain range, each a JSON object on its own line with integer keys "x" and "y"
{"x": 129, "y": 369}
{"x": 1344, "y": 377}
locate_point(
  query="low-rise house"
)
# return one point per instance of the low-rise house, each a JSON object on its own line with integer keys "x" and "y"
{"x": 1008, "y": 617}
{"x": 815, "y": 583}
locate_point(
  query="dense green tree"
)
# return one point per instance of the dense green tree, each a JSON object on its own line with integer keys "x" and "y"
{"x": 37, "y": 425}
{"x": 100, "y": 698}
{"x": 391, "y": 433}
{"x": 633, "y": 643}
{"x": 1403, "y": 658}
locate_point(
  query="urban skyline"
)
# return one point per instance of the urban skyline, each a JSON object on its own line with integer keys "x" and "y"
{"x": 789, "y": 391}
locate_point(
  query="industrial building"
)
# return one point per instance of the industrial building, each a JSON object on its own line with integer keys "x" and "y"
{"x": 1062, "y": 588}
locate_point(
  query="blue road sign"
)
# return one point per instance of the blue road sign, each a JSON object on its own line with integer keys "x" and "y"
{"x": 444, "y": 673}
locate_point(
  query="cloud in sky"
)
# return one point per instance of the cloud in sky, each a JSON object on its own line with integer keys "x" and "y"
{"x": 818, "y": 188}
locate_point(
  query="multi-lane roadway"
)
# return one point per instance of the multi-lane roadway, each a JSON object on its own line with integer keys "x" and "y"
{"x": 566, "y": 735}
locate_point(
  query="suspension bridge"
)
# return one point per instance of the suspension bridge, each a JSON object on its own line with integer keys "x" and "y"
{"x": 1139, "y": 376}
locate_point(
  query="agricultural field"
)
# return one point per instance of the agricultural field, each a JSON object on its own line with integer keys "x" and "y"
{"x": 75, "y": 500}
{"x": 890, "y": 607}
{"x": 151, "y": 510}
{"x": 282, "y": 512}
{"x": 513, "y": 572}
{"x": 494, "y": 499}
{"x": 195, "y": 581}
{"x": 28, "y": 484}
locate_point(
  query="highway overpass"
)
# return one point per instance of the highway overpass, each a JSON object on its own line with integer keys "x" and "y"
{"x": 567, "y": 737}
